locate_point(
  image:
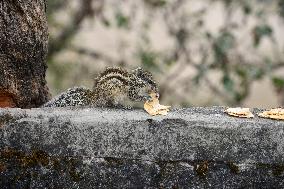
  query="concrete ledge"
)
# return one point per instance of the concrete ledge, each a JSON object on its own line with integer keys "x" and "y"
{"x": 194, "y": 147}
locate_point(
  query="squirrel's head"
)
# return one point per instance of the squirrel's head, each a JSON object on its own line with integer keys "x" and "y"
{"x": 143, "y": 85}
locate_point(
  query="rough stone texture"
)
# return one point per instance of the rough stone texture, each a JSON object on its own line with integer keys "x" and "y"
{"x": 23, "y": 50}
{"x": 112, "y": 148}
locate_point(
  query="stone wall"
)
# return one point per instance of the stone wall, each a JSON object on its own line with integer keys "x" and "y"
{"x": 112, "y": 148}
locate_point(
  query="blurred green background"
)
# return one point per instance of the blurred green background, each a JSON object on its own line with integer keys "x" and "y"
{"x": 202, "y": 53}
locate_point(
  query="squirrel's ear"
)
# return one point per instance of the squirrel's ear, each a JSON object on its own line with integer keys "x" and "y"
{"x": 138, "y": 71}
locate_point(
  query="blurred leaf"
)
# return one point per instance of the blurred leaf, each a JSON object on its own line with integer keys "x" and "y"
{"x": 241, "y": 71}
{"x": 278, "y": 82}
{"x": 238, "y": 97}
{"x": 182, "y": 35}
{"x": 222, "y": 45}
{"x": 281, "y": 7}
{"x": 247, "y": 8}
{"x": 106, "y": 22}
{"x": 252, "y": 71}
{"x": 200, "y": 74}
{"x": 260, "y": 13}
{"x": 228, "y": 83}
{"x": 257, "y": 73}
{"x": 208, "y": 35}
{"x": 200, "y": 23}
{"x": 261, "y": 31}
{"x": 156, "y": 3}
{"x": 196, "y": 79}
{"x": 225, "y": 41}
{"x": 54, "y": 5}
{"x": 122, "y": 21}
{"x": 169, "y": 62}
{"x": 227, "y": 2}
{"x": 148, "y": 59}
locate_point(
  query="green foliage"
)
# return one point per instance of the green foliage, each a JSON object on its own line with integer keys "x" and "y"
{"x": 222, "y": 45}
{"x": 106, "y": 22}
{"x": 122, "y": 21}
{"x": 156, "y": 3}
{"x": 182, "y": 35}
{"x": 278, "y": 82}
{"x": 257, "y": 73}
{"x": 281, "y": 7}
{"x": 241, "y": 71}
{"x": 228, "y": 83}
{"x": 52, "y": 6}
{"x": 261, "y": 31}
{"x": 247, "y": 8}
{"x": 200, "y": 74}
{"x": 148, "y": 59}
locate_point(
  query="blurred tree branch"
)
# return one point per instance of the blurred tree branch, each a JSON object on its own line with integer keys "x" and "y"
{"x": 93, "y": 54}
{"x": 85, "y": 10}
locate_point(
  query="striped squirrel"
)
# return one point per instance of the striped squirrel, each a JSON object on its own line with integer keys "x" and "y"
{"x": 111, "y": 88}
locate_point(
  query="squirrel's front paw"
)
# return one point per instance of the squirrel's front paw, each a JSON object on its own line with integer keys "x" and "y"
{"x": 120, "y": 106}
{"x": 127, "y": 107}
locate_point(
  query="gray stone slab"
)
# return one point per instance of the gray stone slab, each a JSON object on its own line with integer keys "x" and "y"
{"x": 98, "y": 148}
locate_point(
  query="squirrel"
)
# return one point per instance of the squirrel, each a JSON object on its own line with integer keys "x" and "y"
{"x": 111, "y": 89}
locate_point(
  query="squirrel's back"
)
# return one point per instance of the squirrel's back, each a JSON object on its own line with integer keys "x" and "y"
{"x": 112, "y": 86}
{"x": 77, "y": 96}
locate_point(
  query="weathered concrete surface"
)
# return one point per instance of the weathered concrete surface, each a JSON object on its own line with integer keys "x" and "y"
{"x": 103, "y": 148}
